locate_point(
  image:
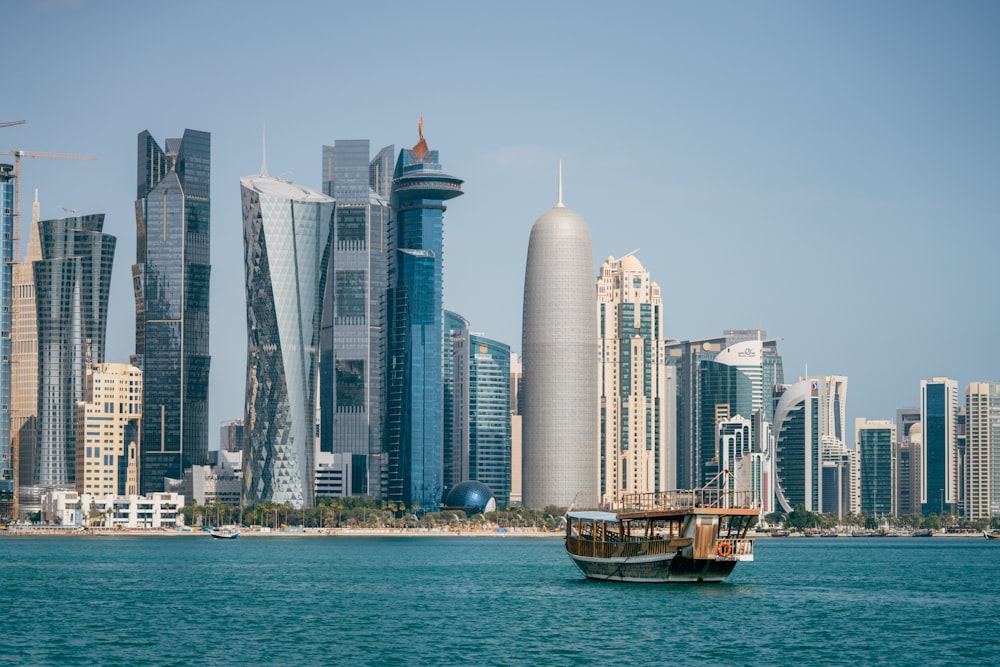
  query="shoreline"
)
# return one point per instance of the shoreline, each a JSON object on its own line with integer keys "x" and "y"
{"x": 75, "y": 531}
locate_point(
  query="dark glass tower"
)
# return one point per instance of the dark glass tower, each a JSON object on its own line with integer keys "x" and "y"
{"x": 939, "y": 411}
{"x": 413, "y": 433}
{"x": 171, "y": 283}
{"x": 71, "y": 293}
{"x": 352, "y": 342}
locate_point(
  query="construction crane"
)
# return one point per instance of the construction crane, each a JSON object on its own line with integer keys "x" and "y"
{"x": 13, "y": 122}
{"x": 18, "y": 154}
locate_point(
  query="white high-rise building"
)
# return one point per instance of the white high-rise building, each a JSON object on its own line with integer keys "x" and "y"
{"x": 560, "y": 355}
{"x": 637, "y": 452}
{"x": 832, "y": 415}
{"x": 982, "y": 465}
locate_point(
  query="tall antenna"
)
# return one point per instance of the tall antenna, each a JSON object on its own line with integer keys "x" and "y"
{"x": 559, "y": 204}
{"x": 263, "y": 151}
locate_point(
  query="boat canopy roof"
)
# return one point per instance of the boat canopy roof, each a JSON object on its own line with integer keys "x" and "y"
{"x": 594, "y": 515}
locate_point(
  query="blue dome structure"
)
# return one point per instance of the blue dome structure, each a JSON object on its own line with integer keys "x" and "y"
{"x": 471, "y": 497}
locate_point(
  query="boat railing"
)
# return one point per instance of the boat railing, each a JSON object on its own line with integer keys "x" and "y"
{"x": 734, "y": 549}
{"x": 687, "y": 499}
{"x": 627, "y": 549}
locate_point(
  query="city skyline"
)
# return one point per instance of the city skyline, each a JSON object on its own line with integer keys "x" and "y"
{"x": 854, "y": 168}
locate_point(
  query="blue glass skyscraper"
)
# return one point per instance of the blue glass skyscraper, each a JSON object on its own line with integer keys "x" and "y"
{"x": 171, "y": 283}
{"x": 413, "y": 433}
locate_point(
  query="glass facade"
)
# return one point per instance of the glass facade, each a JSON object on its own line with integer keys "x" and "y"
{"x": 353, "y": 332}
{"x": 489, "y": 416}
{"x": 287, "y": 233}
{"x": 413, "y": 387}
{"x": 939, "y": 409}
{"x": 171, "y": 283}
{"x": 797, "y": 461}
{"x": 875, "y": 445}
{"x": 72, "y": 280}
{"x": 455, "y": 402}
{"x": 688, "y": 358}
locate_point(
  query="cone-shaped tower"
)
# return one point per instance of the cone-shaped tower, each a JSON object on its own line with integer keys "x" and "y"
{"x": 560, "y": 353}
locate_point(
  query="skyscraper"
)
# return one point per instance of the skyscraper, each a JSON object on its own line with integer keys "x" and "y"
{"x": 287, "y": 233}
{"x": 693, "y": 360}
{"x": 832, "y": 414}
{"x": 982, "y": 469}
{"x": 413, "y": 434}
{"x": 171, "y": 283}
{"x": 352, "y": 341}
{"x": 24, "y": 371}
{"x": 455, "y": 401}
{"x": 637, "y": 452}
{"x": 7, "y": 453}
{"x": 797, "y": 461}
{"x": 875, "y": 444}
{"x": 107, "y": 424}
{"x": 489, "y": 415}
{"x": 939, "y": 469}
{"x": 72, "y": 280}
{"x": 560, "y": 361}
{"x": 908, "y": 461}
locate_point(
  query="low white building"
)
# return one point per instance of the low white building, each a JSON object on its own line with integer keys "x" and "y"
{"x": 70, "y": 508}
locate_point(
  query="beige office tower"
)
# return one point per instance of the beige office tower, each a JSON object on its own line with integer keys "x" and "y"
{"x": 982, "y": 464}
{"x": 515, "y": 429}
{"x": 24, "y": 371}
{"x": 107, "y": 430}
{"x": 634, "y": 456}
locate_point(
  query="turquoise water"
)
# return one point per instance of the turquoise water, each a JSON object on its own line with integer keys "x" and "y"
{"x": 487, "y": 601}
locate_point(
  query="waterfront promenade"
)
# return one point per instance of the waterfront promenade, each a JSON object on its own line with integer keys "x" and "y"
{"x": 258, "y": 531}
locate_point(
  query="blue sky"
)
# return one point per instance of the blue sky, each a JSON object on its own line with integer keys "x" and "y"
{"x": 829, "y": 170}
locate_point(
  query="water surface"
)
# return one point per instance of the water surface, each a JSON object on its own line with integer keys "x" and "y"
{"x": 192, "y": 600}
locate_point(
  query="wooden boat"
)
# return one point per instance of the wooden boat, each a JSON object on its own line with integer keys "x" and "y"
{"x": 991, "y": 534}
{"x": 225, "y": 533}
{"x": 667, "y": 537}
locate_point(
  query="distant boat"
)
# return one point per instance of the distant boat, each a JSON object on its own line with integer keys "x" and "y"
{"x": 923, "y": 532}
{"x": 225, "y": 532}
{"x": 991, "y": 535}
{"x": 780, "y": 533}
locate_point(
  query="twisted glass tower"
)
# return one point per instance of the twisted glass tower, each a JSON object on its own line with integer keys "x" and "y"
{"x": 287, "y": 233}
{"x": 171, "y": 283}
{"x": 414, "y": 432}
{"x": 72, "y": 280}
{"x": 560, "y": 355}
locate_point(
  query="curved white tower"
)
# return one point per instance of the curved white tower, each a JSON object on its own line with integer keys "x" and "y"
{"x": 560, "y": 355}
{"x": 287, "y": 233}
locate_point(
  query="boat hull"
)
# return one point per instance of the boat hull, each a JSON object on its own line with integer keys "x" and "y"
{"x": 659, "y": 569}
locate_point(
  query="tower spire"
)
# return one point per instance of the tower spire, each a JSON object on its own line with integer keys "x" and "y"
{"x": 559, "y": 204}
{"x": 263, "y": 151}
